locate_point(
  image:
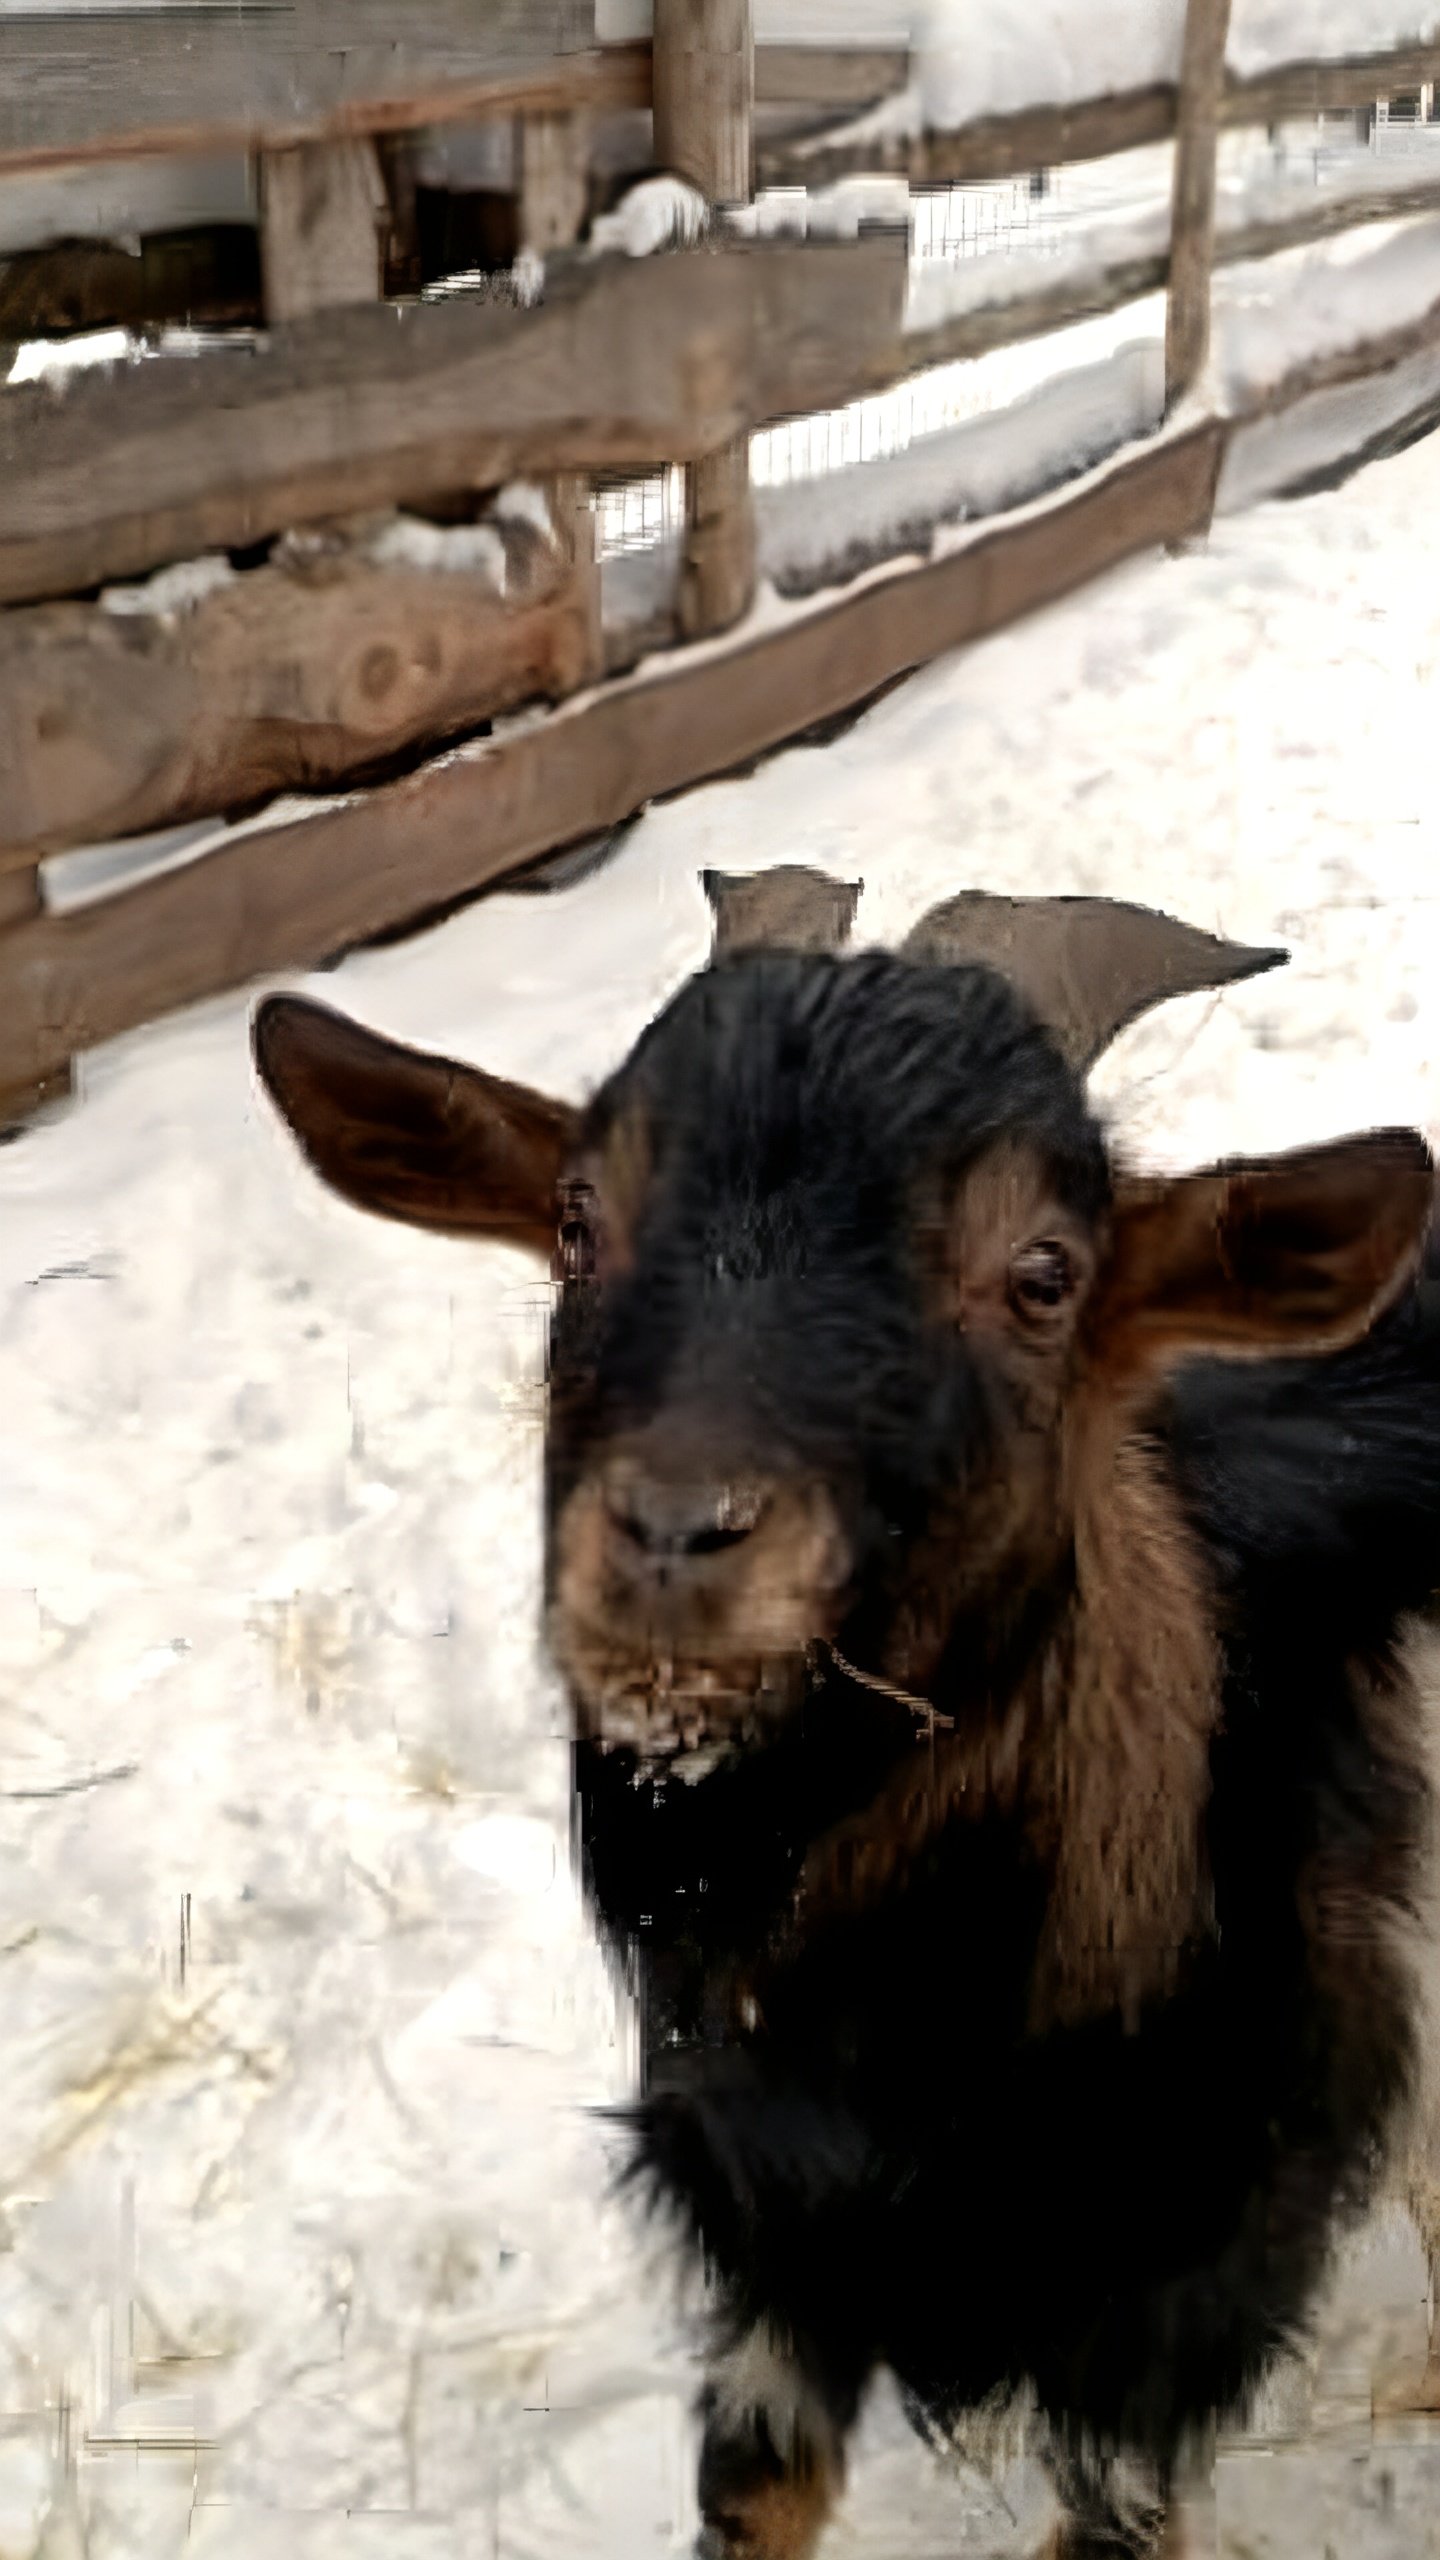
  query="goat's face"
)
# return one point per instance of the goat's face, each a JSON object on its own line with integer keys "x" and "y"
{"x": 828, "y": 1235}
{"x": 840, "y": 1271}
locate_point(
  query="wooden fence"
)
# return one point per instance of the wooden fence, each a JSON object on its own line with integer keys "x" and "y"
{"x": 340, "y": 607}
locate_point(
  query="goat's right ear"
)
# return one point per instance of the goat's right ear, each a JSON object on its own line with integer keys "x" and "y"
{"x": 409, "y": 1136}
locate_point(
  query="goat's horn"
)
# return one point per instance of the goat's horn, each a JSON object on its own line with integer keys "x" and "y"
{"x": 793, "y": 908}
{"x": 1088, "y": 966}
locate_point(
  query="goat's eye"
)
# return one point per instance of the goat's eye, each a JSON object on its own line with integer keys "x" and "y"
{"x": 1041, "y": 1278}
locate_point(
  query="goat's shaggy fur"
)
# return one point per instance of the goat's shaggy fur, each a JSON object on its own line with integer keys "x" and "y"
{"x": 1044, "y": 2047}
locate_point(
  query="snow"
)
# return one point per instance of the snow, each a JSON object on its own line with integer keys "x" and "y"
{"x": 269, "y": 1500}
{"x": 1273, "y": 315}
{"x": 1266, "y": 32}
{"x": 1275, "y": 454}
{"x": 659, "y": 213}
{"x": 178, "y": 589}
{"x": 813, "y": 529}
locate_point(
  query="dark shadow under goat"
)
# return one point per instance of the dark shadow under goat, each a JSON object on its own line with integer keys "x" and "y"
{"x": 982, "y": 1582}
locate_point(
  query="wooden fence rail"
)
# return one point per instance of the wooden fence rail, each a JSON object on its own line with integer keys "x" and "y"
{"x": 337, "y": 660}
{"x": 625, "y": 364}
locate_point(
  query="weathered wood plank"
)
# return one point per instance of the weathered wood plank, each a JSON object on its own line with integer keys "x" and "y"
{"x": 288, "y": 896}
{"x": 323, "y": 221}
{"x": 315, "y": 670}
{"x": 827, "y": 75}
{"x": 704, "y": 89}
{"x": 254, "y": 78}
{"x": 1051, "y": 137}
{"x": 552, "y": 158}
{"x": 1007, "y": 146}
{"x": 250, "y": 77}
{"x": 626, "y": 363}
{"x": 1300, "y": 89}
{"x": 1192, "y": 219}
{"x": 21, "y": 898}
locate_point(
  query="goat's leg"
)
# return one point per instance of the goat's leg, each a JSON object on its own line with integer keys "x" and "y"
{"x": 1106, "y": 2518}
{"x": 772, "y": 2454}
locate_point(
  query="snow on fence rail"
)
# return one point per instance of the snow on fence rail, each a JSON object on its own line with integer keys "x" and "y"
{"x": 325, "y": 640}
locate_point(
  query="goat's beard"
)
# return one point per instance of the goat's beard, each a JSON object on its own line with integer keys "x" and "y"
{"x": 678, "y": 1711}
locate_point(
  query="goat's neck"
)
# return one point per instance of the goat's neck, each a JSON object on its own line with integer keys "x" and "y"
{"x": 1097, "y": 1750}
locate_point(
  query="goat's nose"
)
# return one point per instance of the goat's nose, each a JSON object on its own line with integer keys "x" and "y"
{"x": 668, "y": 1518}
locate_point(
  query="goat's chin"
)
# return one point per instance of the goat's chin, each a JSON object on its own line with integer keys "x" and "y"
{"x": 679, "y": 1713}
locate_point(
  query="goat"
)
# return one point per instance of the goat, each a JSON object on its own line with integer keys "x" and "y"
{"x": 981, "y": 1577}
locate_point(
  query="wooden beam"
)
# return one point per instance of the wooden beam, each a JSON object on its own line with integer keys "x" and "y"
{"x": 828, "y": 75}
{"x": 22, "y": 899}
{"x": 126, "y": 469}
{"x": 319, "y": 669}
{"x": 1052, "y": 137}
{"x": 1192, "y": 219}
{"x": 285, "y": 897}
{"x": 704, "y": 89}
{"x": 1296, "y": 90}
{"x": 1007, "y": 146}
{"x": 121, "y": 85}
{"x": 552, "y": 156}
{"x": 323, "y": 220}
{"x": 703, "y": 79}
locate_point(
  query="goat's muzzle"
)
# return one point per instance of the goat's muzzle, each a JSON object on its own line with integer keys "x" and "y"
{"x": 686, "y": 1600}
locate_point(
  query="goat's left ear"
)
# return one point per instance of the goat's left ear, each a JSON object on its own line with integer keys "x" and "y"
{"x": 1293, "y": 1253}
{"x": 409, "y": 1136}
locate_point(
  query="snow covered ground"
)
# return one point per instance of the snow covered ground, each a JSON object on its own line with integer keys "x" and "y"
{"x": 305, "y": 2251}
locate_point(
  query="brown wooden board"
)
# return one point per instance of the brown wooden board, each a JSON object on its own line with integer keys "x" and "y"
{"x": 703, "y": 68}
{"x": 1004, "y": 146}
{"x": 1300, "y": 89}
{"x": 288, "y": 896}
{"x": 323, "y": 226}
{"x": 1050, "y": 137}
{"x": 1192, "y": 225}
{"x": 316, "y": 669}
{"x": 804, "y": 75}
{"x": 251, "y": 76}
{"x": 626, "y": 363}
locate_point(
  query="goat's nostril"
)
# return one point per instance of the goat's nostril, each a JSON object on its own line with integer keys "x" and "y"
{"x": 683, "y": 1519}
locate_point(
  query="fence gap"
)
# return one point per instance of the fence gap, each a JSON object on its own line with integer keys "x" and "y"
{"x": 704, "y": 110}
{"x": 1192, "y": 222}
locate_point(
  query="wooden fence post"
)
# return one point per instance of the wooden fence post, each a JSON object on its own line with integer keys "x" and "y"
{"x": 1192, "y": 220}
{"x": 552, "y": 160}
{"x": 324, "y": 213}
{"x": 704, "y": 105}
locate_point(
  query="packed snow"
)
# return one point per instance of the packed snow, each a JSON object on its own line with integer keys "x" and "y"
{"x": 308, "y": 2246}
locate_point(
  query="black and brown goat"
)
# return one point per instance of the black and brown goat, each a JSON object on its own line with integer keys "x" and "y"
{"x": 981, "y": 1580}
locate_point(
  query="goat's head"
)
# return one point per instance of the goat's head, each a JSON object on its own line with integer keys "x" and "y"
{"x": 841, "y": 1266}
